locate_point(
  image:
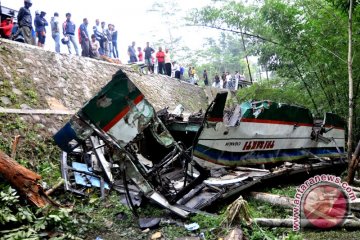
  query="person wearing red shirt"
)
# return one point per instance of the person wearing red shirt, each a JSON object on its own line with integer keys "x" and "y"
{"x": 140, "y": 54}
{"x": 160, "y": 56}
{"x": 6, "y": 27}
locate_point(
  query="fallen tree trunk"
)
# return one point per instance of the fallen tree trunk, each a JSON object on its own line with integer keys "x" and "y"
{"x": 26, "y": 182}
{"x": 288, "y": 223}
{"x": 273, "y": 199}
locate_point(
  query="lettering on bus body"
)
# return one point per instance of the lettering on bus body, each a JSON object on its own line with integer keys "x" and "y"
{"x": 256, "y": 145}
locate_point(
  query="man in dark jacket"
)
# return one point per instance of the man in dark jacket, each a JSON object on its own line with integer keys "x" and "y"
{"x": 84, "y": 38}
{"x": 25, "y": 21}
{"x": 114, "y": 42}
{"x": 40, "y": 23}
{"x": 69, "y": 29}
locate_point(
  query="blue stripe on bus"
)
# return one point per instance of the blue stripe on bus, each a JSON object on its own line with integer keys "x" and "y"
{"x": 238, "y": 158}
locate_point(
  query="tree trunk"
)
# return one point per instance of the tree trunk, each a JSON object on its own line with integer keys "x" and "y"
{"x": 246, "y": 57}
{"x": 273, "y": 199}
{"x": 288, "y": 223}
{"x": 352, "y": 165}
{"x": 24, "y": 181}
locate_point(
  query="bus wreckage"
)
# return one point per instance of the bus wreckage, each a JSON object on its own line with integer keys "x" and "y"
{"x": 117, "y": 140}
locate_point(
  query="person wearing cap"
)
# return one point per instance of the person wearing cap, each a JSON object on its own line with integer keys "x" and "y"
{"x": 25, "y": 21}
{"x": 6, "y": 27}
{"x": 55, "y": 31}
{"x": 40, "y": 24}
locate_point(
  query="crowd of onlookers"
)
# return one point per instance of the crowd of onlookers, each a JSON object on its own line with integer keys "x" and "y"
{"x": 101, "y": 42}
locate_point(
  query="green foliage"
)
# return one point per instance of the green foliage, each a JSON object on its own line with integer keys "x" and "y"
{"x": 36, "y": 149}
{"x": 21, "y": 222}
{"x": 288, "y": 191}
{"x": 210, "y": 225}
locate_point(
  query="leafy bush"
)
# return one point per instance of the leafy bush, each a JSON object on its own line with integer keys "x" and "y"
{"x": 22, "y": 222}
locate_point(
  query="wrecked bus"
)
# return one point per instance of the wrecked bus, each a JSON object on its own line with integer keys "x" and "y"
{"x": 117, "y": 140}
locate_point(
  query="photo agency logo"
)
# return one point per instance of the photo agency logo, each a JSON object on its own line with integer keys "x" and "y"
{"x": 322, "y": 202}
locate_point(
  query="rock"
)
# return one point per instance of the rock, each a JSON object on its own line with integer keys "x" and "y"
{"x": 21, "y": 70}
{"x": 156, "y": 235}
{"x": 17, "y": 91}
{"x": 40, "y": 125}
{"x": 121, "y": 216}
{"x": 146, "y": 230}
{"x": 149, "y": 223}
{"x": 235, "y": 234}
{"x": 108, "y": 223}
{"x": 36, "y": 118}
{"x": 6, "y": 101}
{"x": 25, "y": 106}
{"x": 27, "y": 60}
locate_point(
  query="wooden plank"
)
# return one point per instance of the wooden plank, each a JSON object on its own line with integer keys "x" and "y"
{"x": 37, "y": 111}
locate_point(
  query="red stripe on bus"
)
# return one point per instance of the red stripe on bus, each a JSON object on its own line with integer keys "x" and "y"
{"x": 121, "y": 114}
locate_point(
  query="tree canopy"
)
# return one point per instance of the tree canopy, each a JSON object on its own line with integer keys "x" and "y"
{"x": 303, "y": 42}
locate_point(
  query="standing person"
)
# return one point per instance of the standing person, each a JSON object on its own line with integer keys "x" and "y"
{"x": 182, "y": 71}
{"x": 109, "y": 33}
{"x": 6, "y": 27}
{"x": 176, "y": 69}
{"x": 97, "y": 30}
{"x": 167, "y": 62}
{"x": 114, "y": 42}
{"x": 228, "y": 84}
{"x": 205, "y": 76}
{"x": 160, "y": 56}
{"x": 223, "y": 79}
{"x": 148, "y": 54}
{"x": 40, "y": 24}
{"x": 237, "y": 79}
{"x": 69, "y": 31}
{"x": 25, "y": 21}
{"x": 217, "y": 82}
{"x": 33, "y": 32}
{"x": 84, "y": 38}
{"x": 140, "y": 54}
{"x": 132, "y": 53}
{"x": 104, "y": 45}
{"x": 192, "y": 75}
{"x": 55, "y": 31}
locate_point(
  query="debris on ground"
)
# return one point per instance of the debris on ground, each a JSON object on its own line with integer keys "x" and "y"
{"x": 156, "y": 235}
{"x": 235, "y": 234}
{"x": 192, "y": 226}
{"x": 237, "y": 212}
